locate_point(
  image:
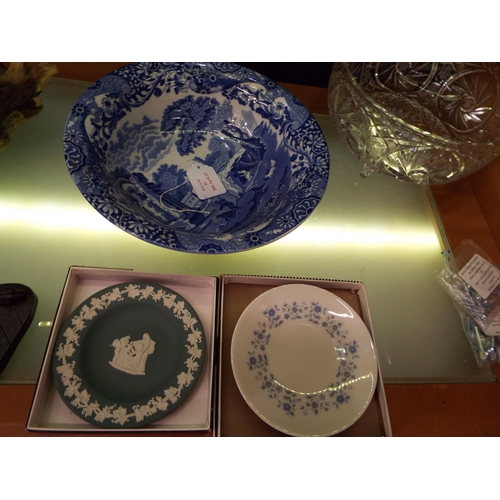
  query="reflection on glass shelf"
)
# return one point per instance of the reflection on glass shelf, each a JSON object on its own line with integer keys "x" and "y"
{"x": 375, "y": 230}
{"x": 331, "y": 235}
{"x": 48, "y": 216}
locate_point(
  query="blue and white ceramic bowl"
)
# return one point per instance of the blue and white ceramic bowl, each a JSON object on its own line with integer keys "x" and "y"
{"x": 196, "y": 157}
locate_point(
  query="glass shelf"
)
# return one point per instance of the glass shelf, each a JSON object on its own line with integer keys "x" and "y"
{"x": 376, "y": 230}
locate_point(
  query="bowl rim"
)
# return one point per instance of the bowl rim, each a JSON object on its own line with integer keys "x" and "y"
{"x": 243, "y": 242}
{"x": 447, "y": 141}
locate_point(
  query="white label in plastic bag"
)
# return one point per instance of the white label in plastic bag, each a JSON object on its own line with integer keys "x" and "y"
{"x": 480, "y": 275}
{"x": 493, "y": 327}
{"x": 205, "y": 181}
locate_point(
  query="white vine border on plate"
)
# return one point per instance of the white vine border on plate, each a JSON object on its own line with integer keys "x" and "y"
{"x": 120, "y": 416}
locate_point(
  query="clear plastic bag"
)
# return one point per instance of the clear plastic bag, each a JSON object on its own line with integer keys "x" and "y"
{"x": 472, "y": 280}
{"x": 486, "y": 348}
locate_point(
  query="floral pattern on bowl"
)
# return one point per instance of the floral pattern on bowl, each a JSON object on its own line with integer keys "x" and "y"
{"x": 132, "y": 137}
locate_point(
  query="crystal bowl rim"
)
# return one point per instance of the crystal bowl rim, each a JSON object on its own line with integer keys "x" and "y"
{"x": 413, "y": 128}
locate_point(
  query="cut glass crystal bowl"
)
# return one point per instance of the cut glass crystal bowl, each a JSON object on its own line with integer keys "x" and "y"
{"x": 424, "y": 123}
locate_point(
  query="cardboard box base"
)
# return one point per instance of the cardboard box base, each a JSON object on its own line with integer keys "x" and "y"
{"x": 194, "y": 416}
{"x": 215, "y": 407}
{"x": 235, "y": 417}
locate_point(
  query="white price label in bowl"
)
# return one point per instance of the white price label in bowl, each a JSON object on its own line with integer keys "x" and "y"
{"x": 480, "y": 275}
{"x": 205, "y": 181}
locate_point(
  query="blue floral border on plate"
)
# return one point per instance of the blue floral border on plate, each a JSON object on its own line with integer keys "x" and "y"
{"x": 291, "y": 402}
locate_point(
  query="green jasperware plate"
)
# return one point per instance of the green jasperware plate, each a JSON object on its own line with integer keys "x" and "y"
{"x": 128, "y": 355}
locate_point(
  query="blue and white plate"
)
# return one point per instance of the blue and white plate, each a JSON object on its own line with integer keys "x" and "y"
{"x": 304, "y": 361}
{"x": 196, "y": 157}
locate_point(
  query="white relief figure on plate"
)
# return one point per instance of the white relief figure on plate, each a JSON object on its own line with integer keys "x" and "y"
{"x": 131, "y": 357}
